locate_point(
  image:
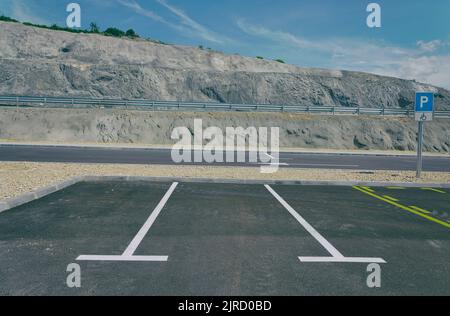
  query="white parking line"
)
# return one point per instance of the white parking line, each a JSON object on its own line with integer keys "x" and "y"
{"x": 128, "y": 254}
{"x": 148, "y": 224}
{"x": 336, "y": 255}
{"x": 329, "y": 247}
{"x": 341, "y": 260}
{"x": 124, "y": 258}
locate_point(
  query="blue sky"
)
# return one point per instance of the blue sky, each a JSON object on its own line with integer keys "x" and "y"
{"x": 413, "y": 42}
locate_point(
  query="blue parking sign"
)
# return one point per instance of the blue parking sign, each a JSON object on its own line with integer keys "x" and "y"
{"x": 424, "y": 101}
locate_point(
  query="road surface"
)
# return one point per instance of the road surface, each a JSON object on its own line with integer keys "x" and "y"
{"x": 163, "y": 157}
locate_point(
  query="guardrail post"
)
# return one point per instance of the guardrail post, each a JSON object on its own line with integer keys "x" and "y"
{"x": 359, "y": 110}
{"x": 307, "y": 109}
{"x": 17, "y": 102}
{"x": 334, "y": 110}
{"x": 383, "y": 111}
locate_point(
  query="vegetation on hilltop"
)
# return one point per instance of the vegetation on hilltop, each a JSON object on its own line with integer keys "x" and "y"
{"x": 93, "y": 29}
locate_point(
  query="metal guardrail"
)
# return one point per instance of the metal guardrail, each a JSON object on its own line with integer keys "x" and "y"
{"x": 148, "y": 105}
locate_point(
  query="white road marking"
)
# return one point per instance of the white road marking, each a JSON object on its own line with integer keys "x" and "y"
{"x": 272, "y": 163}
{"x": 124, "y": 258}
{"x": 336, "y": 255}
{"x": 329, "y": 247}
{"x": 322, "y": 165}
{"x": 305, "y": 164}
{"x": 148, "y": 224}
{"x": 340, "y": 260}
{"x": 128, "y": 254}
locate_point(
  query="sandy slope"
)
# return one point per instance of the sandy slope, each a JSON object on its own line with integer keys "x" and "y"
{"x": 296, "y": 130}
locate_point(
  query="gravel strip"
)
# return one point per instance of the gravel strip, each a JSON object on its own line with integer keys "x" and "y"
{"x": 18, "y": 178}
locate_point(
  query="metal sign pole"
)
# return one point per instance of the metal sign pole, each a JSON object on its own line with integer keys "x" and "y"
{"x": 420, "y": 150}
{"x": 424, "y": 113}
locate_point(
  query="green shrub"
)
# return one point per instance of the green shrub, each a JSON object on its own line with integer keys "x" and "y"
{"x": 93, "y": 28}
{"x": 156, "y": 41}
{"x": 112, "y": 31}
{"x": 131, "y": 33}
{"x": 280, "y": 61}
{"x": 55, "y": 27}
{"x": 7, "y": 19}
{"x": 259, "y": 57}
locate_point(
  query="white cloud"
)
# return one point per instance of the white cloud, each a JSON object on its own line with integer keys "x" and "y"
{"x": 21, "y": 12}
{"x": 428, "y": 69}
{"x": 133, "y": 5}
{"x": 184, "y": 25}
{"x": 430, "y": 46}
{"x": 196, "y": 27}
{"x": 282, "y": 37}
{"x": 363, "y": 55}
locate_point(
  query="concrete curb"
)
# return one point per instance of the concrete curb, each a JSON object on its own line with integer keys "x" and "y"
{"x": 42, "y": 192}
{"x": 37, "y": 194}
{"x": 270, "y": 182}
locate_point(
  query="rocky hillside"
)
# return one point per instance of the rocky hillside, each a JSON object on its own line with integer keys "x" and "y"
{"x": 36, "y": 61}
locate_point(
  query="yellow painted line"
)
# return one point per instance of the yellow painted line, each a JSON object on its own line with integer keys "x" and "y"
{"x": 434, "y": 190}
{"x": 395, "y": 188}
{"x": 420, "y": 209}
{"x": 391, "y": 198}
{"x": 368, "y": 189}
{"x": 435, "y": 220}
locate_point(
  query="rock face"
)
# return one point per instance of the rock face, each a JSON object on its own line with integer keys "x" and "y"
{"x": 36, "y": 61}
{"x": 296, "y": 130}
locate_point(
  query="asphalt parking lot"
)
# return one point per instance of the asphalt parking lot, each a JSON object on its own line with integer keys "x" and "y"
{"x": 158, "y": 238}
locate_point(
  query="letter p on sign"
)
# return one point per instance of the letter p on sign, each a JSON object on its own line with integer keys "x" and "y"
{"x": 423, "y": 100}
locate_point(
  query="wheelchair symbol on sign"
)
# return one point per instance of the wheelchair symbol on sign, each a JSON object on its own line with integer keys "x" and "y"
{"x": 423, "y": 118}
